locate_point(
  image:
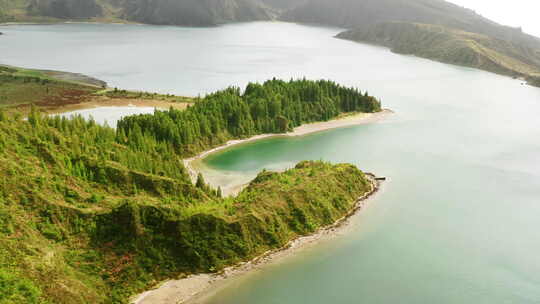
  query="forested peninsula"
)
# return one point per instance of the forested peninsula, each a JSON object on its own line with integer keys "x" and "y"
{"x": 92, "y": 214}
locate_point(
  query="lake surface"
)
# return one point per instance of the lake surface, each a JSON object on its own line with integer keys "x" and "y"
{"x": 108, "y": 115}
{"x": 457, "y": 222}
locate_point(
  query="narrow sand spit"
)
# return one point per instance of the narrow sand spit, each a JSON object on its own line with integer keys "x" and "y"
{"x": 197, "y": 288}
{"x": 351, "y": 120}
{"x": 103, "y": 101}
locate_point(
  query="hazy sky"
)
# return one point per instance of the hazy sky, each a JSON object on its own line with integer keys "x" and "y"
{"x": 524, "y": 13}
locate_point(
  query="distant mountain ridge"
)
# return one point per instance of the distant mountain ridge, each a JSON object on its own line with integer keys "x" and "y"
{"x": 453, "y": 46}
{"x": 353, "y": 14}
{"x": 434, "y": 29}
{"x": 448, "y": 32}
{"x": 170, "y": 12}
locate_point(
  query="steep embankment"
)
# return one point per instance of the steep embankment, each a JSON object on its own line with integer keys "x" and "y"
{"x": 452, "y": 46}
{"x": 433, "y": 29}
{"x": 283, "y": 4}
{"x": 75, "y": 230}
{"x": 365, "y": 13}
{"x": 193, "y": 12}
{"x": 89, "y": 214}
{"x": 178, "y": 12}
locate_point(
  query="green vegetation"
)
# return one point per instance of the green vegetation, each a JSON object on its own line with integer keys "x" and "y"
{"x": 116, "y": 93}
{"x": 361, "y": 14}
{"x": 433, "y": 29}
{"x": 22, "y": 86}
{"x": 178, "y": 12}
{"x": 89, "y": 214}
{"x": 273, "y": 107}
{"x": 453, "y": 46}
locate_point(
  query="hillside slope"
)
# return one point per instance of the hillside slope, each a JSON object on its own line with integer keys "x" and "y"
{"x": 77, "y": 229}
{"x": 365, "y": 13}
{"x": 173, "y": 12}
{"x": 90, "y": 214}
{"x": 453, "y": 46}
{"x": 434, "y": 29}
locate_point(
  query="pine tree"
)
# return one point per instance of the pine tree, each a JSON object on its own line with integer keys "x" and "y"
{"x": 201, "y": 184}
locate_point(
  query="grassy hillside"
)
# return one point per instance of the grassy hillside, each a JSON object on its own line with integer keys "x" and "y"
{"x": 22, "y": 86}
{"x": 90, "y": 214}
{"x": 53, "y": 90}
{"x": 177, "y": 12}
{"x": 283, "y": 4}
{"x": 434, "y": 29}
{"x": 85, "y": 219}
{"x": 453, "y": 46}
{"x": 360, "y": 14}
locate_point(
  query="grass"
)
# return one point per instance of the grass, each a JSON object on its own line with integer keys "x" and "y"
{"x": 116, "y": 93}
{"x": 87, "y": 219}
{"x": 20, "y": 88}
{"x": 453, "y": 46}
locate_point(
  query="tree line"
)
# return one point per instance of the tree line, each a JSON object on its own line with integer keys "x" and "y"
{"x": 276, "y": 106}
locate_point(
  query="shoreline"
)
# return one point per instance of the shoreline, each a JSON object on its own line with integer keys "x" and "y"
{"x": 200, "y": 287}
{"x": 351, "y": 120}
{"x": 102, "y": 101}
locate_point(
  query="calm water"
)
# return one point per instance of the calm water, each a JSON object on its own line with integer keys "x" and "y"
{"x": 459, "y": 219}
{"x": 109, "y": 115}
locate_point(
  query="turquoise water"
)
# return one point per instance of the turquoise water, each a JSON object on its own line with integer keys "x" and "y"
{"x": 457, "y": 222}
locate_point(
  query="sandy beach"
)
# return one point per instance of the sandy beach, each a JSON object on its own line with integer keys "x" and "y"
{"x": 193, "y": 166}
{"x": 200, "y": 287}
{"x": 103, "y": 101}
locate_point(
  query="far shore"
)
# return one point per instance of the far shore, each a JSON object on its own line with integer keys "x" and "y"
{"x": 227, "y": 190}
{"x": 198, "y": 288}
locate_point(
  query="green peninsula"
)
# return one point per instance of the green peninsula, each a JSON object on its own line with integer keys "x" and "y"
{"x": 90, "y": 214}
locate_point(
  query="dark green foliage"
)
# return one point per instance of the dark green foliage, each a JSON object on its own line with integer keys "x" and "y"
{"x": 89, "y": 214}
{"x": 274, "y": 208}
{"x": 16, "y": 290}
{"x": 273, "y": 107}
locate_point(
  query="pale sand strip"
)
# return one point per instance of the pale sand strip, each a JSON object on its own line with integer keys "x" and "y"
{"x": 351, "y": 120}
{"x": 103, "y": 101}
{"x": 200, "y": 287}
